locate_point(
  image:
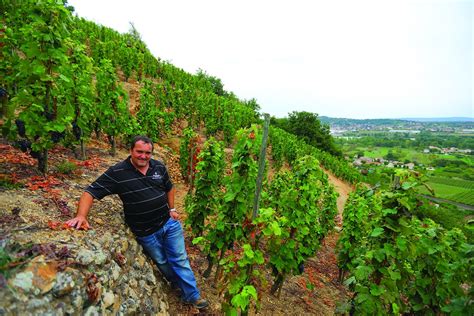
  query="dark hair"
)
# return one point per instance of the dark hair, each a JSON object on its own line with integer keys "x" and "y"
{"x": 144, "y": 139}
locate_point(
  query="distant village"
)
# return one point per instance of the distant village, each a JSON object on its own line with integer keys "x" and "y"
{"x": 340, "y": 127}
{"x": 450, "y": 150}
{"x": 351, "y": 128}
{"x": 360, "y": 161}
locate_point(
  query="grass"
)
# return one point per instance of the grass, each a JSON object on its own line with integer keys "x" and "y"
{"x": 8, "y": 183}
{"x": 456, "y": 190}
{"x": 454, "y": 182}
{"x": 66, "y": 167}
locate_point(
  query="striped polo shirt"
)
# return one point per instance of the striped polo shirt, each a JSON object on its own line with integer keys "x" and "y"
{"x": 145, "y": 202}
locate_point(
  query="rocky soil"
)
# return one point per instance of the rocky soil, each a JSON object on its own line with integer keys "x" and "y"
{"x": 48, "y": 269}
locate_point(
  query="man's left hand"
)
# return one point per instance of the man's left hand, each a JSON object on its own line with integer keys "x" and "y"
{"x": 174, "y": 214}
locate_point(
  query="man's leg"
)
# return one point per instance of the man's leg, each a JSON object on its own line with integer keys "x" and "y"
{"x": 178, "y": 259}
{"x": 153, "y": 246}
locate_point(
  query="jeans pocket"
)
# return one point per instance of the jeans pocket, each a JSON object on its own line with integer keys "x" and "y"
{"x": 144, "y": 240}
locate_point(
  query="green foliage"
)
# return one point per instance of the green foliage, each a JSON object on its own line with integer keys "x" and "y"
{"x": 286, "y": 146}
{"x": 50, "y": 58}
{"x": 204, "y": 202}
{"x": 384, "y": 138}
{"x": 9, "y": 183}
{"x": 152, "y": 115}
{"x": 307, "y": 126}
{"x": 36, "y": 47}
{"x": 214, "y": 83}
{"x": 301, "y": 212}
{"x": 307, "y": 201}
{"x": 189, "y": 149}
{"x": 232, "y": 226}
{"x": 396, "y": 259}
{"x": 450, "y": 217}
{"x": 236, "y": 204}
{"x": 80, "y": 94}
{"x": 66, "y": 167}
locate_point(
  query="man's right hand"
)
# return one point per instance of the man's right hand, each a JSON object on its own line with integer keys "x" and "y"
{"x": 85, "y": 204}
{"x": 78, "y": 222}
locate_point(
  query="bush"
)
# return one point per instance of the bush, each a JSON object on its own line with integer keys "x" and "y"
{"x": 7, "y": 182}
{"x": 450, "y": 216}
{"x": 66, "y": 167}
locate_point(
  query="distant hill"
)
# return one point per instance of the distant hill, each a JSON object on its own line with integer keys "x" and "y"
{"x": 349, "y": 121}
{"x": 441, "y": 119}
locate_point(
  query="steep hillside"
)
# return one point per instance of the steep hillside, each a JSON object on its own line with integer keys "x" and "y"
{"x": 48, "y": 266}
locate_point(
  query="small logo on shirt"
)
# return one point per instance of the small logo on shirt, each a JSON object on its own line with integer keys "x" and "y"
{"x": 156, "y": 176}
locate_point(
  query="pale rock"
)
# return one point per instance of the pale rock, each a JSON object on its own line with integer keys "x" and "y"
{"x": 124, "y": 246}
{"x": 92, "y": 311}
{"x": 164, "y": 307}
{"x": 135, "y": 247}
{"x": 131, "y": 305}
{"x": 85, "y": 256}
{"x": 125, "y": 289}
{"x": 99, "y": 221}
{"x": 132, "y": 294}
{"x": 115, "y": 271}
{"x": 139, "y": 262}
{"x": 64, "y": 284}
{"x": 133, "y": 283}
{"x": 108, "y": 299}
{"x": 24, "y": 281}
{"x": 150, "y": 278}
{"x": 106, "y": 240}
{"x": 100, "y": 257}
{"x": 104, "y": 278}
{"x": 77, "y": 299}
{"x": 94, "y": 244}
{"x": 125, "y": 278}
{"x": 36, "y": 302}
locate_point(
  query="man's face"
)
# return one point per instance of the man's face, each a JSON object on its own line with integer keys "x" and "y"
{"x": 141, "y": 154}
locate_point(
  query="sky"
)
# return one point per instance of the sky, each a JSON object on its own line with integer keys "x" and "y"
{"x": 354, "y": 59}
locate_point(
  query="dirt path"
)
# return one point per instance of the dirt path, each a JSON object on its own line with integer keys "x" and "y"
{"x": 342, "y": 188}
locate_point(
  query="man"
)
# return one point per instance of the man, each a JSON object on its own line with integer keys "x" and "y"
{"x": 144, "y": 186}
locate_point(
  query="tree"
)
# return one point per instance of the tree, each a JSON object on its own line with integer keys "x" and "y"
{"x": 215, "y": 83}
{"x": 307, "y": 126}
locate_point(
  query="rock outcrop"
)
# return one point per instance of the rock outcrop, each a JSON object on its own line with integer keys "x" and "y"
{"x": 82, "y": 273}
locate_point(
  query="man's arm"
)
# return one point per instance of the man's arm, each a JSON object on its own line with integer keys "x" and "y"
{"x": 85, "y": 204}
{"x": 170, "y": 195}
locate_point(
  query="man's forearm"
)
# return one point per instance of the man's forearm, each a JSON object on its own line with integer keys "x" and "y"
{"x": 170, "y": 195}
{"x": 85, "y": 204}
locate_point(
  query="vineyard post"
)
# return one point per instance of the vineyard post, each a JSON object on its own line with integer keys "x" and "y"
{"x": 261, "y": 165}
{"x": 191, "y": 174}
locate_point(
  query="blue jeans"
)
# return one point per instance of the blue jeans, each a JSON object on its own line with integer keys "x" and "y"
{"x": 166, "y": 248}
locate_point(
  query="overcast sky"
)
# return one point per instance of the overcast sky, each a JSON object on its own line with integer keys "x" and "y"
{"x": 356, "y": 59}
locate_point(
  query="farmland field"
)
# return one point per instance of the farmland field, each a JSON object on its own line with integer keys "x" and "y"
{"x": 456, "y": 190}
